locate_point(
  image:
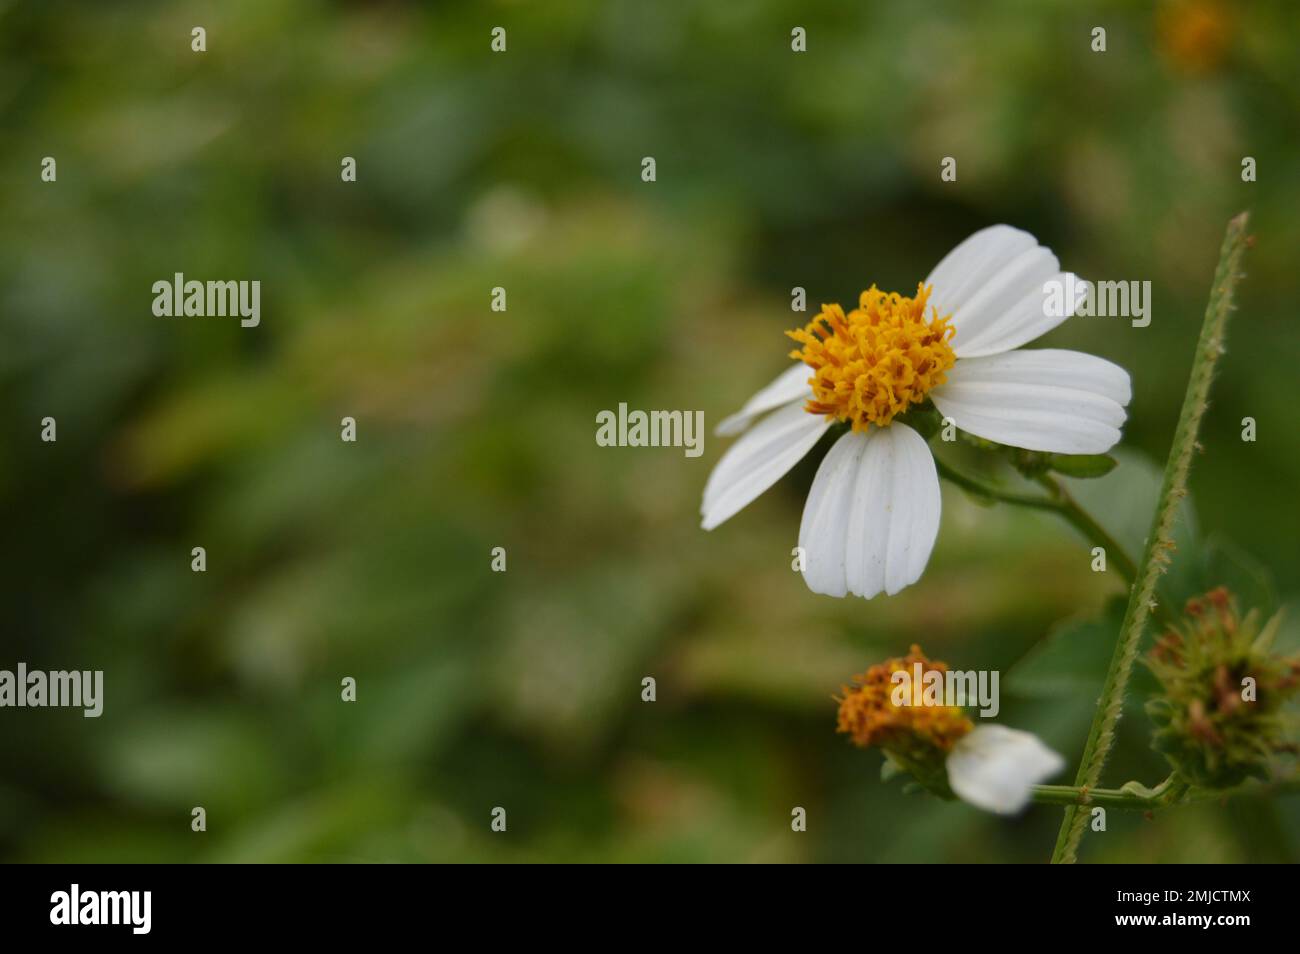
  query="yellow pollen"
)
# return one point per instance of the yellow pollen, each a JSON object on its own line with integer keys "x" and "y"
{"x": 869, "y": 715}
{"x": 876, "y": 361}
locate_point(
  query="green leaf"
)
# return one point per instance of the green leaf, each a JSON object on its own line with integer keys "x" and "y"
{"x": 1122, "y": 502}
{"x": 1286, "y": 639}
{"x": 1031, "y": 464}
{"x": 1071, "y": 659}
{"x": 1225, "y": 564}
{"x": 1081, "y": 465}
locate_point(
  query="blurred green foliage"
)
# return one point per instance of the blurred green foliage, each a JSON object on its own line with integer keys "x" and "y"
{"x": 476, "y": 429}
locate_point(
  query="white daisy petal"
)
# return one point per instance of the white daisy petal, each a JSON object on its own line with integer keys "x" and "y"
{"x": 872, "y": 514}
{"x": 1012, "y": 292}
{"x": 758, "y": 459}
{"x": 790, "y": 385}
{"x": 1064, "y": 402}
{"x": 826, "y": 516}
{"x": 967, "y": 267}
{"x": 995, "y": 768}
{"x": 994, "y": 285}
{"x": 996, "y": 329}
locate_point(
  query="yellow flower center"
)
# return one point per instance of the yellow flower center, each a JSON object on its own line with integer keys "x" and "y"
{"x": 870, "y": 715}
{"x": 876, "y": 361}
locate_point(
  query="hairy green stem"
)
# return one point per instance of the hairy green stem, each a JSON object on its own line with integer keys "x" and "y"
{"x": 1159, "y": 545}
{"x": 1132, "y": 797}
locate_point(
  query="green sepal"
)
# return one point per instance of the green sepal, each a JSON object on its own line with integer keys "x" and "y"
{"x": 924, "y": 419}
{"x": 890, "y": 770}
{"x": 1081, "y": 465}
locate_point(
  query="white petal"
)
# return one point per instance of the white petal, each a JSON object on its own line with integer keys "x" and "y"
{"x": 790, "y": 385}
{"x": 758, "y": 460}
{"x": 872, "y": 514}
{"x": 960, "y": 273}
{"x": 994, "y": 768}
{"x": 1065, "y": 402}
{"x": 1014, "y": 315}
{"x": 826, "y": 516}
{"x": 994, "y": 285}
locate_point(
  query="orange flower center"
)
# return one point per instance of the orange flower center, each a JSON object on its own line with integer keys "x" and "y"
{"x": 876, "y": 361}
{"x": 870, "y": 715}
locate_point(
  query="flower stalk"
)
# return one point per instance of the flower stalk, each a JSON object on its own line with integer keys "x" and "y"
{"x": 1058, "y": 501}
{"x": 1159, "y": 546}
{"x": 1132, "y": 796}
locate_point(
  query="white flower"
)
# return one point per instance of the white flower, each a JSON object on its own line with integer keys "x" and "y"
{"x": 996, "y": 768}
{"x": 992, "y": 767}
{"x": 872, "y": 514}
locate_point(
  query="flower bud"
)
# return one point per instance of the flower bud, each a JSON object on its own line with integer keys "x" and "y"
{"x": 1220, "y": 715}
{"x": 915, "y": 738}
{"x": 925, "y": 732}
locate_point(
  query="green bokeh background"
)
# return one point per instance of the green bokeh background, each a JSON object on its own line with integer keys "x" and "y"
{"x": 476, "y": 429}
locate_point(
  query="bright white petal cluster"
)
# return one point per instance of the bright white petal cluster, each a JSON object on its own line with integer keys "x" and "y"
{"x": 872, "y": 515}
{"x": 996, "y": 768}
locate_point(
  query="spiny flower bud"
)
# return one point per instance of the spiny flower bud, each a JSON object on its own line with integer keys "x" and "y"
{"x": 1220, "y": 715}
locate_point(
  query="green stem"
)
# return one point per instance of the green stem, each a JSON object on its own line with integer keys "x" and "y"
{"x": 1134, "y": 796}
{"x": 1159, "y": 545}
{"x": 1082, "y": 521}
{"x": 1130, "y": 797}
{"x": 1059, "y": 502}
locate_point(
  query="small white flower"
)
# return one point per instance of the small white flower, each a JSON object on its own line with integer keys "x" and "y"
{"x": 872, "y": 514}
{"x": 996, "y": 768}
{"x": 989, "y": 766}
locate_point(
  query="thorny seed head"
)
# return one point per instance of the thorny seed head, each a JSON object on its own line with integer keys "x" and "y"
{"x": 1220, "y": 715}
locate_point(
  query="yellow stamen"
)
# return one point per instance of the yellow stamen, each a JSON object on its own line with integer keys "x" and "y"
{"x": 869, "y": 715}
{"x": 876, "y": 361}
